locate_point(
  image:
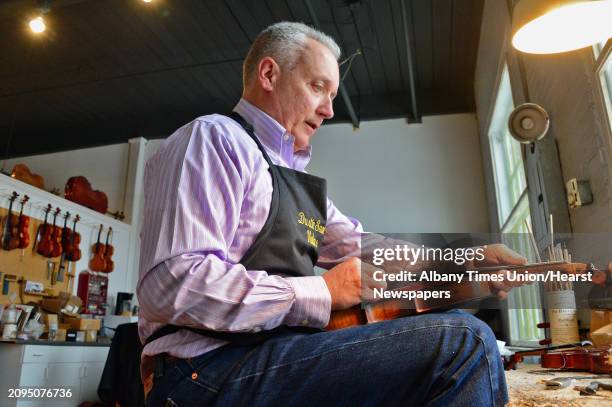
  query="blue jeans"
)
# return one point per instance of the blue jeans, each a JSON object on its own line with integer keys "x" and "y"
{"x": 445, "y": 359}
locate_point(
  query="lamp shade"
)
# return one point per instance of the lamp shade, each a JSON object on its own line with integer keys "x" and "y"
{"x": 553, "y": 26}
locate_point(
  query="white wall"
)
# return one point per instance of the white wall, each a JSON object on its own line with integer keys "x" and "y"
{"x": 396, "y": 177}
{"x": 104, "y": 167}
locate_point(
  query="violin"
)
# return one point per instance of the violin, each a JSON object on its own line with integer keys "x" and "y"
{"x": 24, "y": 225}
{"x": 55, "y": 245}
{"x": 43, "y": 236}
{"x": 65, "y": 233}
{"x": 568, "y": 357}
{"x": 460, "y": 293}
{"x": 589, "y": 359}
{"x": 10, "y": 235}
{"x": 108, "y": 253}
{"x": 62, "y": 263}
{"x": 97, "y": 262}
{"x": 72, "y": 250}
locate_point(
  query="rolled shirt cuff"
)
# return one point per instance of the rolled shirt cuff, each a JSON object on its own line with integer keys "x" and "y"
{"x": 312, "y": 305}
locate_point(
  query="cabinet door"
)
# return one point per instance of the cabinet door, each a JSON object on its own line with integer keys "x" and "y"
{"x": 92, "y": 373}
{"x": 33, "y": 375}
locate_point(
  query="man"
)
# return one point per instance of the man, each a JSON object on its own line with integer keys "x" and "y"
{"x": 225, "y": 251}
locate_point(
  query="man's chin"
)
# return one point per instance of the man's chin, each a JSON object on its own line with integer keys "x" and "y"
{"x": 301, "y": 145}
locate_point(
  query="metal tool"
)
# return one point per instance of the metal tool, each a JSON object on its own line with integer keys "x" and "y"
{"x": 591, "y": 389}
{"x": 562, "y": 382}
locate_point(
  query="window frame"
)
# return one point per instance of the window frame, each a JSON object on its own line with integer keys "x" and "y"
{"x": 505, "y": 220}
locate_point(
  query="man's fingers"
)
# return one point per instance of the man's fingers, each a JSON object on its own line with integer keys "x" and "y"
{"x": 502, "y": 295}
{"x": 370, "y": 282}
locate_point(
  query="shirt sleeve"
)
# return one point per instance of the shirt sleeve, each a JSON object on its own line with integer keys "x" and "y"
{"x": 342, "y": 239}
{"x": 197, "y": 285}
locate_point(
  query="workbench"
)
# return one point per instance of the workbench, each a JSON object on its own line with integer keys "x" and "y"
{"x": 527, "y": 390}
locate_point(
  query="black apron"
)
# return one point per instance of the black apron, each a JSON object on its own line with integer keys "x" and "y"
{"x": 288, "y": 243}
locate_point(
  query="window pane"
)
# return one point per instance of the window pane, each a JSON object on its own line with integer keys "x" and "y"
{"x": 506, "y": 153}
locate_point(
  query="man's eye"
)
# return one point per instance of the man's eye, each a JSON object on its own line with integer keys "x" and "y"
{"x": 317, "y": 87}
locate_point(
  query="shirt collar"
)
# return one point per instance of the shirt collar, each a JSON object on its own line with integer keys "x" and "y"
{"x": 277, "y": 141}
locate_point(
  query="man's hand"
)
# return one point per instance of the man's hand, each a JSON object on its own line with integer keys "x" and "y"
{"x": 498, "y": 255}
{"x": 346, "y": 286}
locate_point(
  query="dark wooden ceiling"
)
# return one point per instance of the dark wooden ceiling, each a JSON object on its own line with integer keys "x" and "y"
{"x": 108, "y": 70}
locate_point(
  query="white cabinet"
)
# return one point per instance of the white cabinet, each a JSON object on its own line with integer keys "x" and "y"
{"x": 51, "y": 366}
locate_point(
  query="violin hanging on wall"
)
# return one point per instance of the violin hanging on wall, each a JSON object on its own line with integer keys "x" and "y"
{"x": 97, "y": 262}
{"x": 41, "y": 231}
{"x": 56, "y": 237}
{"x": 10, "y": 234}
{"x": 24, "y": 224}
{"x": 47, "y": 246}
{"x": 72, "y": 250}
{"x": 109, "y": 250}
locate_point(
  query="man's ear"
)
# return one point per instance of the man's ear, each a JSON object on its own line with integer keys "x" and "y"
{"x": 268, "y": 73}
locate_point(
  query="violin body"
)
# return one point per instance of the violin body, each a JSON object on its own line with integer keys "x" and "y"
{"x": 10, "y": 236}
{"x": 97, "y": 262}
{"x": 56, "y": 242}
{"x": 108, "y": 259}
{"x": 109, "y": 250}
{"x": 71, "y": 247}
{"x": 43, "y": 246}
{"x": 460, "y": 293}
{"x": 24, "y": 234}
{"x": 23, "y": 173}
{"x": 78, "y": 189}
{"x": 24, "y": 224}
{"x": 590, "y": 359}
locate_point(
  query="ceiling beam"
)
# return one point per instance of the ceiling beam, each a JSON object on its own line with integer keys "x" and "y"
{"x": 413, "y": 100}
{"x": 343, "y": 92}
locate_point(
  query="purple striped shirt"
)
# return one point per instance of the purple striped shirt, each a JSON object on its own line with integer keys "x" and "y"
{"x": 207, "y": 196}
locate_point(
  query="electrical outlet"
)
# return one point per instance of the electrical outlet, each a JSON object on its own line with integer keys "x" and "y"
{"x": 578, "y": 193}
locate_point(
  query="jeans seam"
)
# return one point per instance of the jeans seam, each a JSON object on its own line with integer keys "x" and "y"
{"x": 238, "y": 379}
{"x": 486, "y": 355}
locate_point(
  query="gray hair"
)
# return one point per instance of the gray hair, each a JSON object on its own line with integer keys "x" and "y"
{"x": 284, "y": 42}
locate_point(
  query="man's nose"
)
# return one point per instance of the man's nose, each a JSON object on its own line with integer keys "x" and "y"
{"x": 327, "y": 109}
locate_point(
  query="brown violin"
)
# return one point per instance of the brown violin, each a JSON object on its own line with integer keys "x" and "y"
{"x": 72, "y": 250}
{"x": 65, "y": 233}
{"x": 587, "y": 359}
{"x": 56, "y": 236}
{"x": 43, "y": 236}
{"x": 10, "y": 236}
{"x": 109, "y": 250}
{"x": 460, "y": 293}
{"x": 568, "y": 357}
{"x": 97, "y": 262}
{"x": 24, "y": 225}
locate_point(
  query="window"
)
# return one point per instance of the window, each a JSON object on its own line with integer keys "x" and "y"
{"x": 603, "y": 68}
{"x": 513, "y": 213}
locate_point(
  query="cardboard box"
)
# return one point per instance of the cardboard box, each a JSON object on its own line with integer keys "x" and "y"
{"x": 60, "y": 335}
{"x": 65, "y": 303}
{"x": 91, "y": 336}
{"x": 83, "y": 324}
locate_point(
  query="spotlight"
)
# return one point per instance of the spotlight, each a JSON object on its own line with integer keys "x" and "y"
{"x": 37, "y": 25}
